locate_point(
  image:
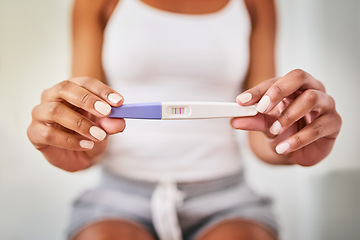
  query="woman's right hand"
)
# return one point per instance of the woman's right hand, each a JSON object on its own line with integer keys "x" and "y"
{"x": 70, "y": 125}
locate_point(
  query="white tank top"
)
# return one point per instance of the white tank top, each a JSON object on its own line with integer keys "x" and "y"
{"x": 151, "y": 55}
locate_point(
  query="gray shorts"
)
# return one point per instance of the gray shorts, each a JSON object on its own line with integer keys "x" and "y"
{"x": 205, "y": 204}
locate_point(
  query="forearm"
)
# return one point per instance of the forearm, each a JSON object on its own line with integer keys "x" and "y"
{"x": 87, "y": 39}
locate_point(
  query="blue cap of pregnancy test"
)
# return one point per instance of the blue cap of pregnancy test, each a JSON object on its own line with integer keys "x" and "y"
{"x": 137, "y": 110}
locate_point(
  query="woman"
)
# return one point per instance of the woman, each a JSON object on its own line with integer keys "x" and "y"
{"x": 178, "y": 179}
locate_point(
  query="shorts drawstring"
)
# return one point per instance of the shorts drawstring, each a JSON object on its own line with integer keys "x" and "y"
{"x": 165, "y": 198}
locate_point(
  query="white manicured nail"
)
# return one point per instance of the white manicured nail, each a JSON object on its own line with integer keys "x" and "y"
{"x": 282, "y": 147}
{"x": 86, "y": 144}
{"x": 102, "y": 108}
{"x": 263, "y": 104}
{"x": 244, "y": 98}
{"x": 114, "y": 98}
{"x": 275, "y": 128}
{"x": 97, "y": 133}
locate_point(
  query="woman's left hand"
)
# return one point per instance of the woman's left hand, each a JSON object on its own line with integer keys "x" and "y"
{"x": 295, "y": 113}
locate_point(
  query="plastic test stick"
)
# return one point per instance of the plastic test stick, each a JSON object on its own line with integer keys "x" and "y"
{"x": 182, "y": 110}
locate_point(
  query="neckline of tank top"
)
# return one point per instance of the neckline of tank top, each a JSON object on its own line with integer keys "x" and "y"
{"x": 158, "y": 11}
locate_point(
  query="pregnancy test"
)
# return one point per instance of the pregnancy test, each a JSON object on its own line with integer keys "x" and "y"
{"x": 182, "y": 110}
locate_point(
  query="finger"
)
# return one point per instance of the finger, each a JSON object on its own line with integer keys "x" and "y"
{"x": 43, "y": 135}
{"x": 112, "y": 125}
{"x": 309, "y": 101}
{"x": 296, "y": 80}
{"x": 77, "y": 96}
{"x": 100, "y": 89}
{"x": 56, "y": 112}
{"x": 260, "y": 122}
{"x": 324, "y": 126}
{"x": 253, "y": 95}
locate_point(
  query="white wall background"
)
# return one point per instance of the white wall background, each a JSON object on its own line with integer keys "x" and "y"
{"x": 321, "y": 202}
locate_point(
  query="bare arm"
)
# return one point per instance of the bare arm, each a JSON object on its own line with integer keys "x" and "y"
{"x": 262, "y": 66}
{"x": 88, "y": 24}
{"x": 262, "y": 42}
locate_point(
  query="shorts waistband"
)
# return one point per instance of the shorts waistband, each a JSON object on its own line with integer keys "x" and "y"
{"x": 109, "y": 179}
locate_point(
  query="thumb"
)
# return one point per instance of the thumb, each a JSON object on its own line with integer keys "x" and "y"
{"x": 112, "y": 125}
{"x": 254, "y": 123}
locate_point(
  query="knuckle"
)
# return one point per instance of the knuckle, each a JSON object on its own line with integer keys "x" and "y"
{"x": 63, "y": 86}
{"x": 297, "y": 142}
{"x": 85, "y": 98}
{"x": 69, "y": 141}
{"x": 277, "y": 90}
{"x": 47, "y": 134}
{"x": 317, "y": 130}
{"x": 54, "y": 109}
{"x": 285, "y": 118}
{"x": 80, "y": 123}
{"x": 311, "y": 97}
{"x": 299, "y": 74}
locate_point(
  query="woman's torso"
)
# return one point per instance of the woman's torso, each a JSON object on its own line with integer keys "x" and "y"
{"x": 152, "y": 55}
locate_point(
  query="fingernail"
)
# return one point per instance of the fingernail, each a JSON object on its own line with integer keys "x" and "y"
{"x": 275, "y": 128}
{"x": 263, "y": 104}
{"x": 114, "y": 98}
{"x": 86, "y": 144}
{"x": 97, "y": 133}
{"x": 102, "y": 108}
{"x": 282, "y": 147}
{"x": 244, "y": 98}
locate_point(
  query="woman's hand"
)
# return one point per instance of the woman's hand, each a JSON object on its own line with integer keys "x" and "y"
{"x": 296, "y": 115}
{"x": 70, "y": 127}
